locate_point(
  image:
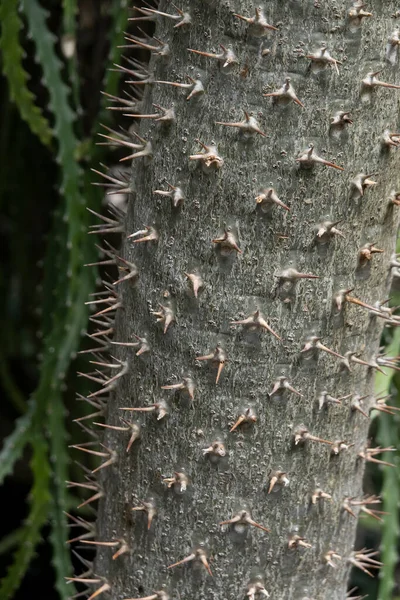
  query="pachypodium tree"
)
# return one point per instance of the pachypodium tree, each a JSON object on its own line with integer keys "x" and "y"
{"x": 239, "y": 341}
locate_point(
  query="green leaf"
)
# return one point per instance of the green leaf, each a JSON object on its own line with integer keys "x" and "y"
{"x": 11, "y": 540}
{"x": 70, "y": 9}
{"x": 383, "y": 382}
{"x": 15, "y": 443}
{"x": 39, "y": 503}
{"x": 60, "y": 503}
{"x": 67, "y": 284}
{"x": 17, "y": 77}
{"x": 120, "y": 16}
{"x": 10, "y": 387}
{"x": 388, "y": 436}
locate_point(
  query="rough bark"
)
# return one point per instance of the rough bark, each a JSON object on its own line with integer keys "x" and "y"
{"x": 235, "y": 286}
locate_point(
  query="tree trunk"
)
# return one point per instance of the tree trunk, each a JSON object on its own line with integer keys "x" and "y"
{"x": 244, "y": 246}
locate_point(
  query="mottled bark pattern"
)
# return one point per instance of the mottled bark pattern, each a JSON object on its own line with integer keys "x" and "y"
{"x": 235, "y": 286}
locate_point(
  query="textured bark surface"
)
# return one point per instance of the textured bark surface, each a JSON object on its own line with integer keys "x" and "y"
{"x": 234, "y": 287}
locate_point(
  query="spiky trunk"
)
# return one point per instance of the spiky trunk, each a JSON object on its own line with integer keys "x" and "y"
{"x": 230, "y": 248}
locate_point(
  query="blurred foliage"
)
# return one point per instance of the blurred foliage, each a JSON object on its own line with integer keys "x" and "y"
{"x": 56, "y": 103}
{"x": 54, "y": 61}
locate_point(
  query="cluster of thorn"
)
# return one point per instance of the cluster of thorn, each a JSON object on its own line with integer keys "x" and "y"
{"x": 108, "y": 301}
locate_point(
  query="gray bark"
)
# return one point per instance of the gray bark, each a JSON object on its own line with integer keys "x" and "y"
{"x": 235, "y": 285}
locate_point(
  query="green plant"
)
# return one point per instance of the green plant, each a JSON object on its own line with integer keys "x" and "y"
{"x": 67, "y": 283}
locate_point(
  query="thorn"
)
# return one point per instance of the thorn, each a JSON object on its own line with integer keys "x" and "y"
{"x": 119, "y": 364}
{"x": 267, "y": 198}
{"x": 241, "y": 520}
{"x": 149, "y": 507}
{"x": 369, "y": 455}
{"x": 196, "y": 281}
{"x": 363, "y": 559}
{"x": 370, "y": 82}
{"x": 159, "y": 595}
{"x": 160, "y": 48}
{"x": 327, "y": 230}
{"x": 326, "y": 399}
{"x": 148, "y": 234}
{"x": 227, "y": 58}
{"x": 255, "y": 589}
{"x": 144, "y": 148}
{"x": 258, "y": 24}
{"x": 285, "y": 94}
{"x": 356, "y": 404}
{"x": 361, "y": 183}
{"x": 301, "y": 435}
{"x": 339, "y": 445}
{"x": 249, "y": 125}
{"x": 394, "y": 262}
{"x": 340, "y": 119}
{"x": 292, "y": 275}
{"x": 348, "y": 502}
{"x": 278, "y": 478}
{"x": 195, "y": 86}
{"x": 227, "y": 242}
{"x": 255, "y": 321}
{"x": 330, "y": 557}
{"x": 322, "y": 58}
{"x": 182, "y": 17}
{"x": 197, "y": 555}
{"x": 112, "y": 458}
{"x": 100, "y": 406}
{"x": 390, "y": 139}
{"x": 381, "y": 406}
{"x": 83, "y": 579}
{"x": 217, "y": 449}
{"x": 309, "y": 159}
{"x": 122, "y": 550}
{"x": 130, "y": 103}
{"x": 135, "y": 433}
{"x": 313, "y": 343}
{"x": 319, "y": 494}
{"x": 357, "y": 13}
{"x": 392, "y": 47}
{"x": 217, "y": 357}
{"x": 366, "y": 252}
{"x": 351, "y": 356}
{"x": 210, "y": 159}
{"x": 248, "y": 416}
{"x": 175, "y": 193}
{"x": 129, "y": 268}
{"x": 116, "y": 186}
{"x": 102, "y": 589}
{"x": 179, "y": 481}
{"x": 133, "y": 427}
{"x": 142, "y": 78}
{"x": 187, "y": 384}
{"x": 165, "y": 315}
{"x": 343, "y": 297}
{"x": 161, "y": 409}
{"x": 349, "y": 597}
{"x": 105, "y": 587}
{"x": 297, "y": 541}
{"x": 142, "y": 342}
{"x": 90, "y": 529}
{"x": 113, "y": 427}
{"x": 93, "y": 486}
{"x": 108, "y": 225}
{"x": 282, "y": 383}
